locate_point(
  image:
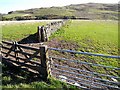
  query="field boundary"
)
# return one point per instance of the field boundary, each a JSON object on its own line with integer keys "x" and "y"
{"x": 44, "y": 32}
{"x": 46, "y": 66}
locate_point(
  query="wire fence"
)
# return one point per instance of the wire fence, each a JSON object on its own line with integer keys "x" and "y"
{"x": 83, "y": 78}
{"x": 87, "y": 71}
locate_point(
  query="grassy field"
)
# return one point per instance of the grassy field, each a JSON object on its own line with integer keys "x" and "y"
{"x": 92, "y": 36}
{"x": 86, "y": 36}
{"x": 18, "y": 31}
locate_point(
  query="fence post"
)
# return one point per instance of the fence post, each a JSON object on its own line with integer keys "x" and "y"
{"x": 42, "y": 34}
{"x": 39, "y": 34}
{"x": 44, "y": 61}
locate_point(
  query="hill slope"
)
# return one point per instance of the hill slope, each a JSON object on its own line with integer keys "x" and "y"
{"x": 79, "y": 11}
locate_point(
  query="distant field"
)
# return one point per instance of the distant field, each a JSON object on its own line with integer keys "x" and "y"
{"x": 82, "y": 35}
{"x": 17, "y": 30}
{"x": 91, "y": 36}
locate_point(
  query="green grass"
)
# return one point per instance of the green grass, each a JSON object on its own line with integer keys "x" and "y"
{"x": 52, "y": 84}
{"x": 93, "y": 36}
{"x": 104, "y": 11}
{"x": 13, "y": 15}
{"x": 54, "y": 11}
{"x": 20, "y": 79}
{"x": 17, "y": 31}
{"x": 43, "y": 11}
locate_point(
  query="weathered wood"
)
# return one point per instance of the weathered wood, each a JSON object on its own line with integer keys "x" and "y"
{"x": 42, "y": 34}
{"x": 15, "y": 50}
{"x": 25, "y": 53}
{"x": 22, "y": 46}
{"x": 45, "y": 36}
{"x": 12, "y": 48}
{"x": 9, "y": 54}
{"x": 8, "y": 43}
{"x": 32, "y": 56}
{"x": 44, "y": 56}
{"x": 49, "y": 66}
{"x": 32, "y": 61}
{"x": 9, "y": 63}
{"x": 21, "y": 51}
{"x": 43, "y": 68}
{"x": 39, "y": 34}
{"x": 27, "y": 47}
{"x": 27, "y": 65}
{"x": 6, "y": 48}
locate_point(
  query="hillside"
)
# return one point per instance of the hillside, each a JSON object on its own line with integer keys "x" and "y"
{"x": 73, "y": 11}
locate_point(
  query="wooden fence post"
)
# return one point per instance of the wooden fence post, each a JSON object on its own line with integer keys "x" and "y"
{"x": 39, "y": 34}
{"x": 44, "y": 61}
{"x": 42, "y": 34}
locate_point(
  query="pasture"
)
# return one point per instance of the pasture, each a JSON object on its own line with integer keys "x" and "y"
{"x": 85, "y": 36}
{"x": 91, "y": 36}
{"x": 17, "y": 31}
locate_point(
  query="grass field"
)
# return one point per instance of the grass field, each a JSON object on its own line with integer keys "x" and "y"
{"x": 91, "y": 36}
{"x": 18, "y": 31}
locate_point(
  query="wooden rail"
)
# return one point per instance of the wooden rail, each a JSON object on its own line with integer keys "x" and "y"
{"x": 14, "y": 53}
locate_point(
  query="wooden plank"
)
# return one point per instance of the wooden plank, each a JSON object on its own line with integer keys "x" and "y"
{"x": 32, "y": 61}
{"x": 21, "y": 51}
{"x": 8, "y": 43}
{"x": 11, "y": 64}
{"x": 12, "y": 48}
{"x": 24, "y": 53}
{"x": 27, "y": 47}
{"x": 9, "y": 54}
{"x": 21, "y": 64}
{"x": 22, "y": 46}
{"x": 6, "y": 48}
{"x": 32, "y": 56}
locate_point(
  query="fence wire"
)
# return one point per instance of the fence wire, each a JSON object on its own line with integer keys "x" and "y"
{"x": 65, "y": 70}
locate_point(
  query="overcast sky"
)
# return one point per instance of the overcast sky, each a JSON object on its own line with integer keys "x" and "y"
{"x": 12, "y": 5}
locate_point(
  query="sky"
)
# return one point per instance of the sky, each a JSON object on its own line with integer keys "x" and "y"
{"x": 12, "y": 5}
